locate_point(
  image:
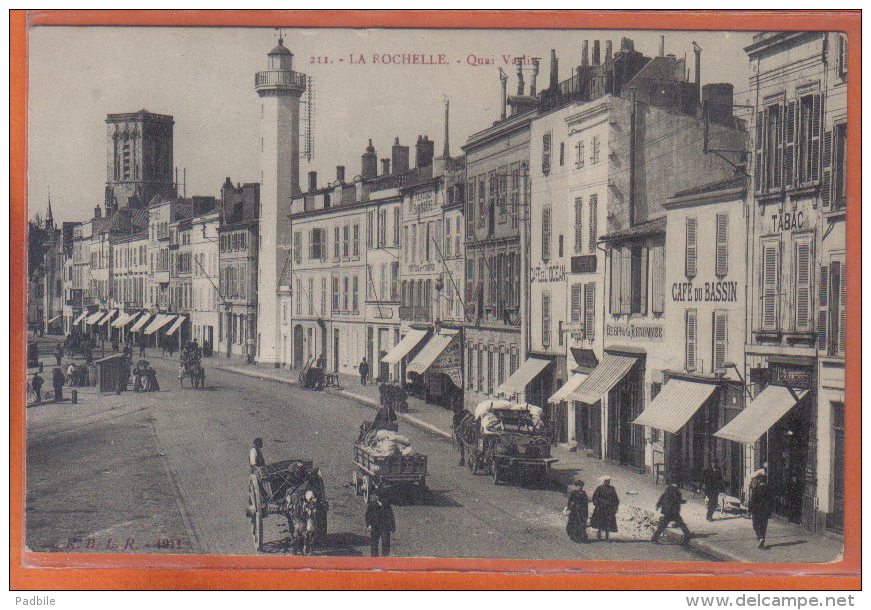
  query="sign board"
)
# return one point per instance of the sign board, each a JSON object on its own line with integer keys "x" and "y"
{"x": 584, "y": 264}
{"x": 707, "y": 292}
{"x": 547, "y": 273}
{"x": 635, "y": 332}
{"x": 450, "y": 362}
{"x": 792, "y": 377}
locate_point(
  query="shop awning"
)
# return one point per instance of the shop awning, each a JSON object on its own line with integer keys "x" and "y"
{"x": 610, "y": 371}
{"x": 80, "y": 318}
{"x": 54, "y": 319}
{"x": 526, "y": 373}
{"x": 140, "y": 322}
{"x": 675, "y": 405}
{"x": 432, "y": 350}
{"x": 107, "y": 317}
{"x": 159, "y": 322}
{"x": 767, "y": 408}
{"x": 570, "y": 386}
{"x": 124, "y": 319}
{"x": 175, "y": 325}
{"x": 408, "y": 342}
{"x": 92, "y": 319}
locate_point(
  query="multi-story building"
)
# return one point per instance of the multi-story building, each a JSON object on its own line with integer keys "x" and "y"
{"x": 180, "y": 281}
{"x": 52, "y": 292}
{"x": 204, "y": 279}
{"x": 796, "y": 317}
{"x": 80, "y": 284}
{"x": 129, "y": 279}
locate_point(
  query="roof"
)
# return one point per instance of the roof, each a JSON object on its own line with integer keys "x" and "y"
{"x": 280, "y": 49}
{"x": 720, "y": 185}
{"x": 657, "y": 225}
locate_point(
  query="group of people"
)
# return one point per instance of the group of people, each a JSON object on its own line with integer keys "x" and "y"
{"x": 605, "y": 502}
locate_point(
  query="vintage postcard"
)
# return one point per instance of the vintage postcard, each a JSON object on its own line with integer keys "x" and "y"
{"x": 309, "y": 296}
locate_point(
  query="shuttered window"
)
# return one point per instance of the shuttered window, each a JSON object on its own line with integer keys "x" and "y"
{"x": 657, "y": 255}
{"x": 579, "y": 224}
{"x": 842, "y": 55}
{"x": 721, "y": 265}
{"x": 789, "y": 145}
{"x": 545, "y": 153}
{"x": 576, "y": 303}
{"x": 470, "y": 207}
{"x": 297, "y": 247}
{"x": 545, "y": 234}
{"x": 545, "y": 319}
{"x": 826, "y": 180}
{"x": 579, "y": 154}
{"x": 822, "y": 318}
{"x": 720, "y": 336}
{"x": 803, "y": 285}
{"x": 626, "y": 282}
{"x": 759, "y": 165}
{"x": 690, "y": 335}
{"x": 590, "y": 311}
{"x": 616, "y": 270}
{"x": 842, "y": 314}
{"x": 770, "y": 273}
{"x": 594, "y": 222}
{"x": 810, "y": 133}
{"x": 691, "y": 247}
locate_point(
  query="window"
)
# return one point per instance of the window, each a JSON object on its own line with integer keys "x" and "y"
{"x": 594, "y": 152}
{"x": 576, "y": 303}
{"x": 545, "y": 234}
{"x": 691, "y": 248}
{"x": 831, "y": 330}
{"x": 690, "y": 336}
{"x": 335, "y": 293}
{"x": 638, "y": 287}
{"x": 394, "y": 280}
{"x": 428, "y": 239}
{"x": 458, "y": 236}
{"x": 310, "y": 296}
{"x": 336, "y": 242}
{"x": 490, "y": 371}
{"x": 405, "y": 243}
{"x": 356, "y": 250}
{"x": 562, "y": 153}
{"x": 720, "y": 337}
{"x": 346, "y": 230}
{"x": 299, "y": 297}
{"x": 501, "y": 367}
{"x": 594, "y": 223}
{"x": 590, "y": 311}
{"x": 480, "y": 375}
{"x": 545, "y": 153}
{"x": 470, "y": 367}
{"x": 448, "y": 237}
{"x": 810, "y": 125}
{"x": 355, "y": 301}
{"x": 369, "y": 228}
{"x": 317, "y": 246}
{"x": 842, "y": 55}
{"x": 516, "y": 177}
{"x": 560, "y": 246}
{"x": 721, "y": 253}
{"x": 545, "y": 318}
{"x": 579, "y": 154}
{"x": 833, "y": 188}
{"x": 657, "y": 262}
{"x": 414, "y": 243}
{"x": 345, "y": 294}
{"x": 770, "y": 283}
{"x": 470, "y": 207}
{"x": 803, "y": 285}
{"x": 773, "y": 145}
{"x": 297, "y": 246}
{"x": 616, "y": 272}
{"x": 579, "y": 224}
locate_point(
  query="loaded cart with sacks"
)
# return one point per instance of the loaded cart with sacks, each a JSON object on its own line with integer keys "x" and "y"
{"x": 506, "y": 441}
{"x": 383, "y": 458}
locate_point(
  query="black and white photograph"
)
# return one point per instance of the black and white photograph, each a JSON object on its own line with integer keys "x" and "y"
{"x": 437, "y": 293}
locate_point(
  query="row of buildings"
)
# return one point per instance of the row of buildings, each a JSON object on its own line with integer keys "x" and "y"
{"x": 660, "y": 269}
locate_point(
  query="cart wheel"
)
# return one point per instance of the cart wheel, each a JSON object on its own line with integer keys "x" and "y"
{"x": 355, "y": 481}
{"x": 366, "y": 490}
{"x": 255, "y": 503}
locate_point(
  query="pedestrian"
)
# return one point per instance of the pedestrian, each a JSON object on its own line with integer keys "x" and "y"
{"x": 255, "y": 456}
{"x": 761, "y": 505}
{"x": 713, "y": 484}
{"x": 59, "y": 353}
{"x": 669, "y": 503}
{"x": 114, "y": 345}
{"x": 577, "y": 509}
{"x": 36, "y": 385}
{"x": 752, "y": 480}
{"x": 605, "y": 503}
{"x": 364, "y": 371}
{"x": 322, "y": 362}
{"x": 142, "y": 347}
{"x": 380, "y": 523}
{"x": 57, "y": 380}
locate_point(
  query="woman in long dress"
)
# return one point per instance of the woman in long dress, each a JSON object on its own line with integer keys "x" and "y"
{"x": 605, "y": 501}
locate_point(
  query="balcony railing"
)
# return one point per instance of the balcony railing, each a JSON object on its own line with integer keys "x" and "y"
{"x": 282, "y": 79}
{"x": 415, "y": 314}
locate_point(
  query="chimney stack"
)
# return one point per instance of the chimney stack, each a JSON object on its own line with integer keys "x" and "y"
{"x": 369, "y": 163}
{"x": 698, "y": 51}
{"x": 399, "y": 156}
{"x": 424, "y": 151}
{"x": 519, "y": 78}
{"x": 312, "y": 181}
{"x": 98, "y": 213}
{"x": 596, "y": 53}
{"x": 504, "y": 79}
{"x": 554, "y": 70}
{"x": 608, "y": 50}
{"x": 340, "y": 173}
{"x": 585, "y": 53}
{"x": 385, "y": 167}
{"x": 627, "y": 45}
{"x": 534, "y": 77}
{"x": 662, "y": 45}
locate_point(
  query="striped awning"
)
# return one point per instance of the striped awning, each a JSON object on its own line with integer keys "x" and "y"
{"x": 80, "y": 318}
{"x": 408, "y": 342}
{"x": 568, "y": 387}
{"x": 140, "y": 322}
{"x": 767, "y": 408}
{"x": 610, "y": 371}
{"x": 107, "y": 317}
{"x": 675, "y": 405}
{"x": 92, "y": 319}
{"x": 432, "y": 350}
{"x": 159, "y": 322}
{"x": 175, "y": 325}
{"x": 122, "y": 319}
{"x": 517, "y": 382}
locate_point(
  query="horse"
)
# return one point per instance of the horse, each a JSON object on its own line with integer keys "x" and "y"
{"x": 303, "y": 515}
{"x": 461, "y": 422}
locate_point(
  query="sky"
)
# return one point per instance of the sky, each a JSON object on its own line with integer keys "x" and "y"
{"x": 204, "y": 77}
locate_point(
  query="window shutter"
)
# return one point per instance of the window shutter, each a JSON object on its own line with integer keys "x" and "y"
{"x": 594, "y": 222}
{"x": 760, "y": 148}
{"x": 545, "y": 319}
{"x": 691, "y": 248}
{"x": 616, "y": 269}
{"x": 589, "y": 310}
{"x": 803, "y": 286}
{"x": 826, "y": 181}
{"x": 690, "y": 351}
{"x": 658, "y": 264}
{"x": 824, "y": 307}
{"x": 576, "y": 303}
{"x": 545, "y": 153}
{"x": 842, "y": 54}
{"x": 626, "y": 282}
{"x": 789, "y": 146}
{"x": 816, "y": 133}
{"x": 721, "y": 267}
{"x": 545, "y": 234}
{"x": 579, "y": 222}
{"x": 778, "y": 151}
{"x": 769, "y": 286}
{"x": 842, "y": 314}
{"x": 720, "y": 336}
{"x": 644, "y": 282}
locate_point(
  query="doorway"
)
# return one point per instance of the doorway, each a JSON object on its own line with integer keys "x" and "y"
{"x": 626, "y": 440}
{"x": 297, "y": 345}
{"x": 588, "y": 427}
{"x": 336, "y": 350}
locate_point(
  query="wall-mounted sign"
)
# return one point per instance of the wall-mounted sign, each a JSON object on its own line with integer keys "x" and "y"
{"x": 787, "y": 221}
{"x": 637, "y": 332}
{"x": 708, "y": 292}
{"x": 584, "y": 263}
{"x": 450, "y": 362}
{"x": 547, "y": 273}
{"x": 422, "y": 202}
{"x": 421, "y": 268}
{"x": 792, "y": 377}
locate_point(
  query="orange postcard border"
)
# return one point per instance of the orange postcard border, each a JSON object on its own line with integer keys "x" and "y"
{"x": 103, "y": 572}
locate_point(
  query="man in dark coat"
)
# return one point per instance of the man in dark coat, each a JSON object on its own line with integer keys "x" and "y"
{"x": 669, "y": 503}
{"x": 59, "y": 353}
{"x": 36, "y": 384}
{"x": 577, "y": 509}
{"x": 761, "y": 506}
{"x": 380, "y": 522}
{"x": 605, "y": 502}
{"x": 713, "y": 483}
{"x": 364, "y": 371}
{"x": 57, "y": 380}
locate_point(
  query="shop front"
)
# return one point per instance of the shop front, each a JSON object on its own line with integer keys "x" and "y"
{"x": 438, "y": 366}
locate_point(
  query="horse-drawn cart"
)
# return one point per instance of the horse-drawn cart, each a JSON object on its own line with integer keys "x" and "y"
{"x": 373, "y": 469}
{"x": 294, "y": 489}
{"x": 312, "y": 376}
{"x": 191, "y": 367}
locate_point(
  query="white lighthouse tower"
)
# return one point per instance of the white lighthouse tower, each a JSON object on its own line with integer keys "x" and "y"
{"x": 280, "y": 89}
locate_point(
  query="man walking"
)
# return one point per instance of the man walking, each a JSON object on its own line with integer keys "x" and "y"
{"x": 380, "y": 522}
{"x": 364, "y": 371}
{"x": 713, "y": 483}
{"x": 669, "y": 502}
{"x": 57, "y": 380}
{"x": 761, "y": 505}
{"x": 36, "y": 383}
{"x": 142, "y": 347}
{"x": 59, "y": 353}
